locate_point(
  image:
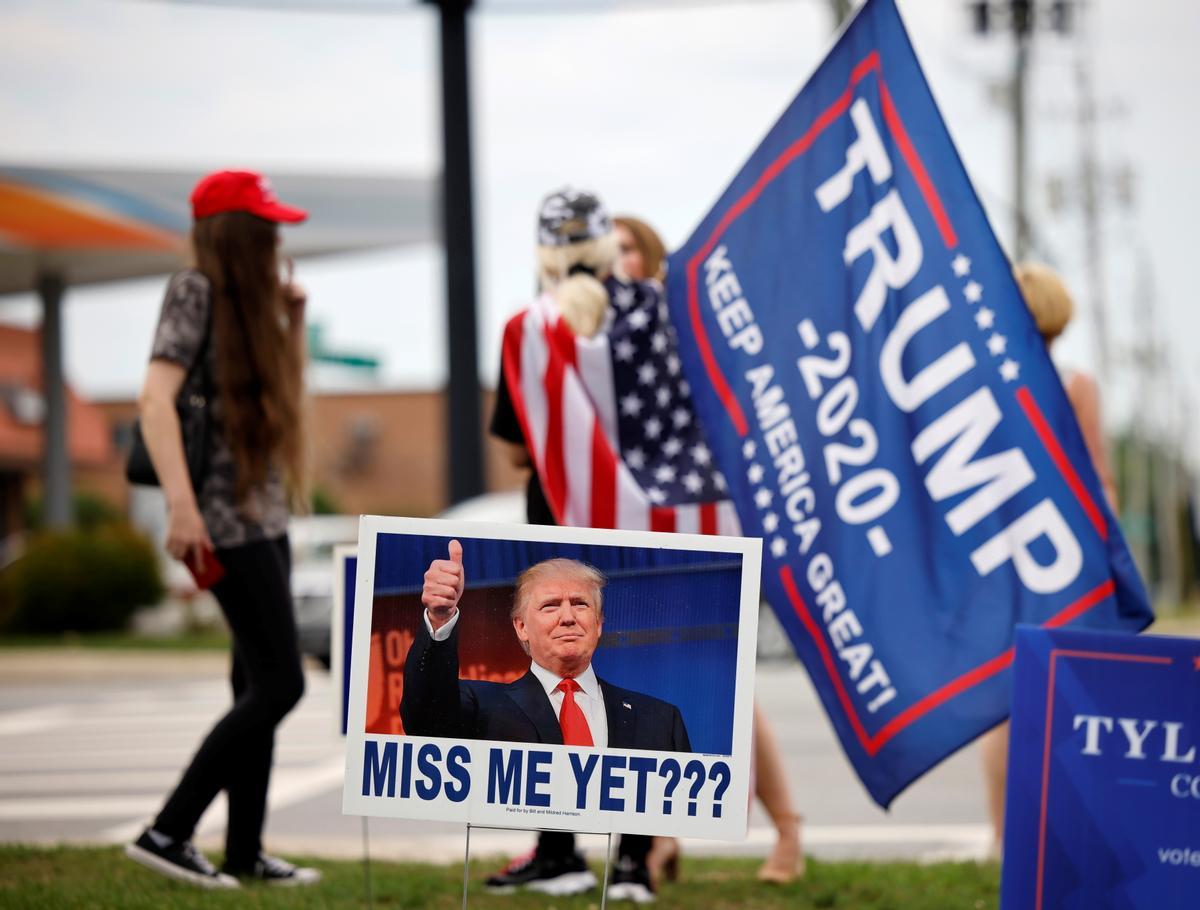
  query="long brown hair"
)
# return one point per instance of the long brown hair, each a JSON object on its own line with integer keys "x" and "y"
{"x": 259, "y": 371}
{"x": 649, "y": 244}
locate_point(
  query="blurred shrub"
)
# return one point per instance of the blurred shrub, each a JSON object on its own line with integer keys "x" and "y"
{"x": 80, "y": 580}
{"x": 88, "y": 512}
{"x": 323, "y": 502}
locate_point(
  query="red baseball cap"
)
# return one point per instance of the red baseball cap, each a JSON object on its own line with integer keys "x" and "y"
{"x": 241, "y": 191}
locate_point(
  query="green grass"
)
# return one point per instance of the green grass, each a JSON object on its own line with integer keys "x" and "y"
{"x": 99, "y": 878}
{"x": 206, "y": 640}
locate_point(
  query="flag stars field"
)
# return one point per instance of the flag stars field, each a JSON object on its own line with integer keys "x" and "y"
{"x": 624, "y": 297}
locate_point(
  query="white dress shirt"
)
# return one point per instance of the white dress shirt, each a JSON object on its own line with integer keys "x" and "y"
{"x": 589, "y": 698}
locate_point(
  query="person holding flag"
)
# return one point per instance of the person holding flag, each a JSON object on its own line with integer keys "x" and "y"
{"x": 581, "y": 296}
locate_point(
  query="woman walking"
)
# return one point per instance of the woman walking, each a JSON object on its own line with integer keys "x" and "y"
{"x": 231, "y": 334}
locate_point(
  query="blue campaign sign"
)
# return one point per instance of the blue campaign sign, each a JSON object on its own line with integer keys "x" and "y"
{"x": 886, "y": 416}
{"x": 341, "y": 622}
{"x": 1104, "y": 773}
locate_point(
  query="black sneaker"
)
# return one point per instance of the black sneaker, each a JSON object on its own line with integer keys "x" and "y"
{"x": 272, "y": 870}
{"x": 630, "y": 881}
{"x": 556, "y": 875}
{"x": 179, "y": 860}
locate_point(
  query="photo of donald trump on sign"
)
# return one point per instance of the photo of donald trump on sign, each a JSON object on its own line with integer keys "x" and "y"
{"x": 552, "y": 678}
{"x": 558, "y": 615}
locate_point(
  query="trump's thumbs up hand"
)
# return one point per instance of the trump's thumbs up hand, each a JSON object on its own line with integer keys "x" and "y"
{"x": 443, "y": 588}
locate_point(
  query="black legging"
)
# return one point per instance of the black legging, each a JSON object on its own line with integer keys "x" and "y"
{"x": 255, "y": 596}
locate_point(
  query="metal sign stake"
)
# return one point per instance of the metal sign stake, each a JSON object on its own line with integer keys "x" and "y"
{"x": 466, "y": 866}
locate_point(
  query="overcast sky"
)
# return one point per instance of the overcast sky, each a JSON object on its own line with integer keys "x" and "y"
{"x": 655, "y": 108}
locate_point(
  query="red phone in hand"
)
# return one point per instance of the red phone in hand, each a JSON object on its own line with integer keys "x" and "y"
{"x": 208, "y": 575}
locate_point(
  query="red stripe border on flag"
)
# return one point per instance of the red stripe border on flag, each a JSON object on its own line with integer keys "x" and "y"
{"x": 1042, "y": 427}
{"x": 872, "y": 743}
{"x": 868, "y": 65}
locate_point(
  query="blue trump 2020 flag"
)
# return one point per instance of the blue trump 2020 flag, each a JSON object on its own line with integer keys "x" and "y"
{"x": 887, "y": 417}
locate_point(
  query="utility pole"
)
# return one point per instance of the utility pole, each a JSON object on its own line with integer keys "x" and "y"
{"x": 1089, "y": 173}
{"x": 1022, "y": 27}
{"x": 1021, "y": 18}
{"x": 841, "y": 9}
{"x": 1161, "y": 455}
{"x": 463, "y": 423}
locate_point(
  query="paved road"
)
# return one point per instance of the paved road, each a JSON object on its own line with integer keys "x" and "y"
{"x": 90, "y": 742}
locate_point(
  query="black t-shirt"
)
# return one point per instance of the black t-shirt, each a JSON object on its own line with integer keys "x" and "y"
{"x": 506, "y": 426}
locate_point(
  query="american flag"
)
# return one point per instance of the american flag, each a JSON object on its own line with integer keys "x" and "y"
{"x": 609, "y": 419}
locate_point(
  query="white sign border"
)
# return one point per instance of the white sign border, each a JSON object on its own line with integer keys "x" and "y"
{"x": 731, "y": 825}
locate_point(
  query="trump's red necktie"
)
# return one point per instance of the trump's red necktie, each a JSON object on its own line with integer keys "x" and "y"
{"x": 574, "y": 725}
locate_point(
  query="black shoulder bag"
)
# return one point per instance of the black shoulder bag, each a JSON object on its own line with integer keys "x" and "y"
{"x": 192, "y": 407}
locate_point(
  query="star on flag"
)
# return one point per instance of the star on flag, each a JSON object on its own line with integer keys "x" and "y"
{"x": 996, "y": 344}
{"x": 973, "y": 292}
{"x": 1009, "y": 370}
{"x": 961, "y": 265}
{"x": 985, "y": 318}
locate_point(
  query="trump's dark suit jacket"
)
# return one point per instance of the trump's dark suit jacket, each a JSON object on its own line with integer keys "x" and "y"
{"x": 437, "y": 703}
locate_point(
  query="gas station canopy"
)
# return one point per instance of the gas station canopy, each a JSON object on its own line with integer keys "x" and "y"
{"x": 91, "y": 225}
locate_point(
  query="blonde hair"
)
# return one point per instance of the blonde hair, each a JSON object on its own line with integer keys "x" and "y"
{"x": 581, "y": 297}
{"x": 558, "y": 566}
{"x": 1046, "y": 296}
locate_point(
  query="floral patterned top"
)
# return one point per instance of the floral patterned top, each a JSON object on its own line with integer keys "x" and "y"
{"x": 186, "y": 313}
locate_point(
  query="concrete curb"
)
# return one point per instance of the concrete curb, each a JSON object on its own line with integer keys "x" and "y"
{"x": 68, "y": 664}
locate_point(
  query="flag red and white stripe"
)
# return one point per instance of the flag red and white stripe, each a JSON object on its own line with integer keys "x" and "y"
{"x": 563, "y": 394}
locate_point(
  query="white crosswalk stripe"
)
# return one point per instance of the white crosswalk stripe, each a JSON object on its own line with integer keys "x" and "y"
{"x": 96, "y": 765}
